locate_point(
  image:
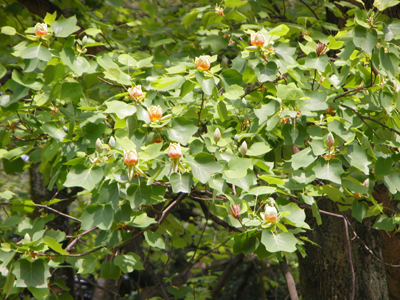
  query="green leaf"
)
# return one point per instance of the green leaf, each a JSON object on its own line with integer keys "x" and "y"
{"x": 234, "y": 92}
{"x": 109, "y": 270}
{"x": 364, "y": 38}
{"x": 358, "y": 157}
{"x": 215, "y": 42}
{"x": 383, "y": 166}
{"x": 181, "y": 183}
{"x": 64, "y": 27}
{"x": 237, "y": 167}
{"x": 391, "y": 28}
{"x": 275, "y": 242}
{"x": 384, "y": 223}
{"x": 72, "y": 91}
{"x": 266, "y": 72}
{"x": 279, "y": 30}
{"x": 235, "y": 3}
{"x": 3, "y": 71}
{"x": 154, "y": 239}
{"x": 246, "y": 242}
{"x": 39, "y": 52}
{"x": 121, "y": 109}
{"x": 53, "y": 244}
{"x": 8, "y": 30}
{"x": 203, "y": 166}
{"x": 313, "y": 61}
{"x": 266, "y": 111}
{"x": 84, "y": 177}
{"x": 262, "y": 190}
{"x": 392, "y": 181}
{"x": 331, "y": 170}
{"x": 98, "y": 215}
{"x": 52, "y": 130}
{"x": 302, "y": 159}
{"x": 128, "y": 262}
{"x": 50, "y": 18}
{"x": 144, "y": 194}
{"x": 258, "y": 149}
{"x": 190, "y": 18}
{"x": 181, "y": 130}
{"x": 359, "y": 210}
{"x": 289, "y": 92}
{"x": 30, "y": 273}
{"x": 127, "y": 60}
{"x": 207, "y": 83}
{"x": 222, "y": 111}
{"x": 296, "y": 216}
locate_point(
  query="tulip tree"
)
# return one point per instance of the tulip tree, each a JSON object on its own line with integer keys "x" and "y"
{"x": 223, "y": 113}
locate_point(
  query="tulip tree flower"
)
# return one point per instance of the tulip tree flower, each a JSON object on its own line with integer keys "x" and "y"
{"x": 235, "y": 211}
{"x": 270, "y": 214}
{"x": 257, "y": 39}
{"x": 41, "y": 29}
{"x": 203, "y": 63}
{"x": 155, "y": 113}
{"x": 130, "y": 159}
{"x": 217, "y": 135}
{"x": 136, "y": 93}
{"x": 175, "y": 153}
{"x": 243, "y": 148}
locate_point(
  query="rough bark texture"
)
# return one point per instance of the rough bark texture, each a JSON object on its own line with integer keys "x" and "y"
{"x": 326, "y": 272}
{"x": 41, "y": 7}
{"x": 390, "y": 242}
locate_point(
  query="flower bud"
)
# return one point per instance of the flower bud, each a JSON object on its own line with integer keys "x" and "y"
{"x": 217, "y": 135}
{"x": 41, "y": 29}
{"x": 257, "y": 39}
{"x": 111, "y": 142}
{"x": 235, "y": 211}
{"x": 321, "y": 47}
{"x": 244, "y": 102}
{"x": 243, "y": 148}
{"x": 155, "y": 112}
{"x": 236, "y": 137}
{"x": 330, "y": 141}
{"x": 174, "y": 151}
{"x": 366, "y": 182}
{"x": 99, "y": 146}
{"x": 203, "y": 62}
{"x": 136, "y": 93}
{"x": 130, "y": 157}
{"x": 219, "y": 10}
{"x": 270, "y": 214}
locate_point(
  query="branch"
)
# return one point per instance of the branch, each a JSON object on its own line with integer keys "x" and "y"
{"x": 316, "y": 16}
{"x": 217, "y": 220}
{"x": 69, "y": 247}
{"x": 289, "y": 279}
{"x": 166, "y": 211}
{"x": 233, "y": 264}
{"x": 58, "y": 212}
{"x": 371, "y": 119}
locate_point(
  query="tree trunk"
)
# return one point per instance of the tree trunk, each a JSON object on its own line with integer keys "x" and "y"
{"x": 326, "y": 273}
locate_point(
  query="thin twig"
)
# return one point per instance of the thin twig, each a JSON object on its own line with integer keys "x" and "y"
{"x": 371, "y": 119}
{"x": 289, "y": 279}
{"x": 69, "y": 247}
{"x": 166, "y": 211}
{"x": 353, "y": 275}
{"x": 316, "y": 16}
{"x": 58, "y": 212}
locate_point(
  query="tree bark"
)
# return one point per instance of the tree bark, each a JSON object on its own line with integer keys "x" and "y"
{"x": 325, "y": 273}
{"x": 390, "y": 242}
